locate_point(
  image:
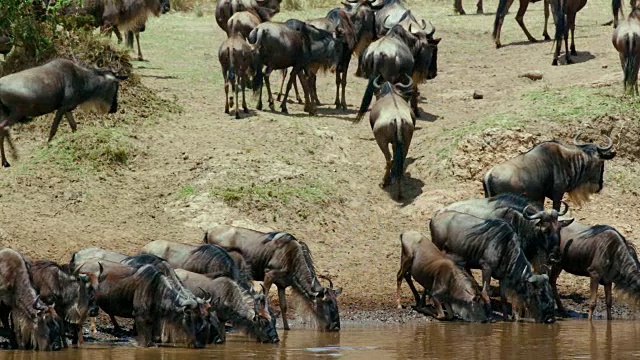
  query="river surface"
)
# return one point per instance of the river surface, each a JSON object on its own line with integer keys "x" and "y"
{"x": 570, "y": 339}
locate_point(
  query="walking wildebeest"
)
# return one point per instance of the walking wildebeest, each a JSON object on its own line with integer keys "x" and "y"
{"x": 441, "y": 278}
{"x": 551, "y": 169}
{"x": 34, "y": 325}
{"x": 279, "y": 258}
{"x": 208, "y": 259}
{"x": 494, "y": 247}
{"x": 146, "y": 295}
{"x": 59, "y": 85}
{"x": 392, "y": 122}
{"x": 626, "y": 39}
{"x": 265, "y": 9}
{"x": 603, "y": 254}
{"x": 237, "y": 59}
{"x": 250, "y": 312}
{"x": 74, "y": 296}
{"x": 564, "y": 14}
{"x": 503, "y": 7}
{"x": 537, "y": 229}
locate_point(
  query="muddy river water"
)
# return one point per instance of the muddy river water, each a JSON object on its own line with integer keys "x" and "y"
{"x": 570, "y": 339}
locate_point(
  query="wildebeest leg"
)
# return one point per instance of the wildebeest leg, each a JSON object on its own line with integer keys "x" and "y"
{"x": 283, "y": 306}
{"x": 479, "y": 9}
{"x": 553, "y": 278}
{"x": 284, "y": 77}
{"x": 4, "y": 133}
{"x": 503, "y": 301}
{"x": 343, "y": 80}
{"x": 116, "y": 326}
{"x": 608, "y": 299}
{"x": 416, "y": 295}
{"x": 137, "y": 34}
{"x": 500, "y": 20}
{"x": 572, "y": 25}
{"x": 593, "y": 301}
{"x": 520, "y": 19}
{"x": 92, "y": 324}
{"x": 439, "y": 312}
{"x": 71, "y": 121}
{"x": 145, "y": 332}
{"x": 384, "y": 146}
{"x": 414, "y": 100}
{"x": 56, "y": 123}
{"x": 567, "y": 54}
{"x": 244, "y": 101}
{"x": 546, "y": 19}
{"x": 295, "y": 89}
{"x": 486, "y": 280}
{"x": 237, "y": 81}
{"x": 457, "y": 7}
{"x": 270, "y": 277}
{"x": 268, "y": 84}
{"x": 226, "y": 93}
{"x": 292, "y": 79}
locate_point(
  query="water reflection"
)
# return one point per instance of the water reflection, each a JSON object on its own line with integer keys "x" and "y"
{"x": 505, "y": 340}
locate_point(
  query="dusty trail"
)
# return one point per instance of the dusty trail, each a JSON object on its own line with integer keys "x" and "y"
{"x": 316, "y": 177}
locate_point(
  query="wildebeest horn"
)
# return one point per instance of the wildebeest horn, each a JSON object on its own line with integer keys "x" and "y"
{"x": 575, "y": 139}
{"x": 264, "y": 291}
{"x": 566, "y": 208}
{"x": 207, "y": 294}
{"x": 376, "y": 82}
{"x": 424, "y": 24}
{"x": 190, "y": 303}
{"x": 607, "y": 147}
{"x": 36, "y": 304}
{"x": 433, "y": 28}
{"x": 384, "y": 22}
{"x": 535, "y": 216}
{"x": 328, "y": 279}
{"x": 409, "y": 83}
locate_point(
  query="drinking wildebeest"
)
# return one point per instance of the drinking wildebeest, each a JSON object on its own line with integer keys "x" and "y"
{"x": 34, "y": 325}
{"x": 537, "y": 229}
{"x": 208, "y": 259}
{"x": 74, "y": 296}
{"x": 626, "y": 39}
{"x": 279, "y": 258}
{"x": 59, "y": 85}
{"x": 146, "y": 295}
{"x": 603, "y": 254}
{"x": 265, "y": 9}
{"x": 503, "y": 7}
{"x": 392, "y": 122}
{"x": 250, "y": 312}
{"x": 441, "y": 278}
{"x": 237, "y": 59}
{"x": 564, "y": 14}
{"x": 551, "y": 169}
{"x": 494, "y": 247}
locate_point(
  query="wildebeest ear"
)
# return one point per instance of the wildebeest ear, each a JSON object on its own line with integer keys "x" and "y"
{"x": 564, "y": 223}
{"x": 338, "y": 291}
{"x": 435, "y": 41}
{"x": 121, "y": 77}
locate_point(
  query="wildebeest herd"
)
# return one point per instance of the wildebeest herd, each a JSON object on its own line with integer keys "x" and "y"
{"x": 189, "y": 293}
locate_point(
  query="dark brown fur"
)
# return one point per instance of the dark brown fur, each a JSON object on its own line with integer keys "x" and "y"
{"x": 237, "y": 59}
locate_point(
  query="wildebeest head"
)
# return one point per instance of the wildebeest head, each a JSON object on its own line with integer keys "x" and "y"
{"x": 108, "y": 96}
{"x": 217, "y": 332}
{"x": 537, "y": 295}
{"x": 550, "y": 227}
{"x": 264, "y": 321}
{"x": 82, "y": 288}
{"x": 465, "y": 299}
{"x": 271, "y": 4}
{"x": 593, "y": 177}
{"x": 403, "y": 90}
{"x": 165, "y": 6}
{"x": 364, "y": 21}
{"x": 326, "y": 307}
{"x": 192, "y": 319}
{"x": 40, "y": 329}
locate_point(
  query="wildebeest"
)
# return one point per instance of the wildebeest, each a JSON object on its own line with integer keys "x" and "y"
{"x": 503, "y": 7}
{"x": 265, "y": 9}
{"x": 208, "y": 259}
{"x": 250, "y": 312}
{"x": 243, "y": 22}
{"x": 493, "y": 246}
{"x": 6, "y": 44}
{"x": 146, "y": 295}
{"x": 237, "y": 59}
{"x": 441, "y": 278}
{"x": 392, "y": 122}
{"x": 34, "y": 325}
{"x": 564, "y": 14}
{"x": 279, "y": 258}
{"x": 551, "y": 169}
{"x": 626, "y": 39}
{"x": 59, "y": 85}
{"x": 74, "y": 296}
{"x": 537, "y": 229}
{"x": 603, "y": 254}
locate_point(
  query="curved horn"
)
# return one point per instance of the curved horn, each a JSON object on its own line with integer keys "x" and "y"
{"x": 376, "y": 82}
{"x": 352, "y": 1}
{"x": 384, "y": 22}
{"x": 607, "y": 147}
{"x": 409, "y": 83}
{"x": 433, "y": 29}
{"x": 535, "y": 216}
{"x": 424, "y": 24}
{"x": 566, "y": 208}
{"x": 264, "y": 291}
{"x": 327, "y": 278}
{"x": 575, "y": 139}
{"x": 36, "y": 303}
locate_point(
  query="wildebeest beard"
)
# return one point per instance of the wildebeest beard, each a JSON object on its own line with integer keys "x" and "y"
{"x": 40, "y": 333}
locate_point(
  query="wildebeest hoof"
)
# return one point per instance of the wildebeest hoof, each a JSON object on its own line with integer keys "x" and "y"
{"x": 273, "y": 108}
{"x": 554, "y": 62}
{"x": 461, "y": 12}
{"x": 498, "y": 45}
{"x": 246, "y": 111}
{"x": 259, "y": 107}
{"x": 479, "y": 11}
{"x": 237, "y": 115}
{"x": 533, "y": 40}
{"x": 284, "y": 110}
{"x": 6, "y": 164}
{"x": 574, "y": 52}
{"x": 546, "y": 37}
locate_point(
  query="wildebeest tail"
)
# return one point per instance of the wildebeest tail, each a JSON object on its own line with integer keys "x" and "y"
{"x": 231, "y": 72}
{"x": 129, "y": 40}
{"x": 398, "y": 153}
{"x": 254, "y": 39}
{"x": 366, "y": 100}
{"x": 559, "y": 19}
{"x": 500, "y": 13}
{"x": 630, "y": 67}
{"x": 625, "y": 258}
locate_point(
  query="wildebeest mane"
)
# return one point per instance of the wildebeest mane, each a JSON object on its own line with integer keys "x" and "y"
{"x": 306, "y": 252}
{"x": 514, "y": 201}
{"x": 277, "y": 236}
{"x": 208, "y": 256}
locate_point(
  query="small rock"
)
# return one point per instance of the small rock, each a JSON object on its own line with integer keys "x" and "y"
{"x": 477, "y": 94}
{"x": 185, "y": 157}
{"x": 533, "y": 75}
{"x": 605, "y": 66}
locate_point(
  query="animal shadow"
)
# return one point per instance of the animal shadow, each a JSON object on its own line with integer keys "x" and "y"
{"x": 583, "y": 56}
{"x": 160, "y": 77}
{"x": 411, "y": 188}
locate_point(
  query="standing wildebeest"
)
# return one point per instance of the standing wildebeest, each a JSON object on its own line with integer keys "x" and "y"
{"x": 392, "y": 122}
{"x": 74, "y": 296}
{"x": 236, "y": 58}
{"x": 34, "y": 325}
{"x": 503, "y": 7}
{"x": 265, "y": 9}
{"x": 146, "y": 295}
{"x": 279, "y": 258}
{"x": 551, "y": 169}
{"x": 494, "y": 247}
{"x": 442, "y": 279}
{"x": 626, "y": 39}
{"x": 603, "y": 254}
{"x": 250, "y": 312}
{"x": 537, "y": 229}
{"x": 209, "y": 259}
{"x": 564, "y": 13}
{"x": 243, "y": 22}
{"x": 59, "y": 85}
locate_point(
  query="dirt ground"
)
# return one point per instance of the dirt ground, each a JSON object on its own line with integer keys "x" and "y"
{"x": 317, "y": 177}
